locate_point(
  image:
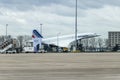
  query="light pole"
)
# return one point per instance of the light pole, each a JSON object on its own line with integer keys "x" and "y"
{"x": 58, "y": 41}
{"x": 76, "y": 25}
{"x": 6, "y": 30}
{"x": 41, "y": 28}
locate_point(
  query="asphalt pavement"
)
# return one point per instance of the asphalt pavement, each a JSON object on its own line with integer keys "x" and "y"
{"x": 60, "y": 66}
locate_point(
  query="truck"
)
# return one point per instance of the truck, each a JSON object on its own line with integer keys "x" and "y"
{"x": 29, "y": 48}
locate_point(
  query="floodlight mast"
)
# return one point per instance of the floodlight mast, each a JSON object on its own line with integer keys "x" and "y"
{"x": 76, "y": 43}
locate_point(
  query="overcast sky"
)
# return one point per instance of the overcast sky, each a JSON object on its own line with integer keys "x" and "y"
{"x": 57, "y": 16}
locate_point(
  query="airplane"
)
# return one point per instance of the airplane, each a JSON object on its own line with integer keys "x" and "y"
{"x": 64, "y": 41}
{"x": 61, "y": 41}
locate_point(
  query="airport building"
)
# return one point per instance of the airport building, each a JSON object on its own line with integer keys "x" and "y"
{"x": 114, "y": 38}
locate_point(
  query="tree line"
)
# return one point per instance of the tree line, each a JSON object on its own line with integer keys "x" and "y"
{"x": 91, "y": 44}
{"x": 95, "y": 44}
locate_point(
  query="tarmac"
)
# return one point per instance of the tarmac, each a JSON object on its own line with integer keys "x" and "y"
{"x": 60, "y": 66}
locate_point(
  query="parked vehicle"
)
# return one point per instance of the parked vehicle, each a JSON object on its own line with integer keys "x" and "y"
{"x": 28, "y": 48}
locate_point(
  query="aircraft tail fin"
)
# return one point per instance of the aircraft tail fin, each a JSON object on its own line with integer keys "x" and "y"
{"x": 36, "y": 34}
{"x": 37, "y": 40}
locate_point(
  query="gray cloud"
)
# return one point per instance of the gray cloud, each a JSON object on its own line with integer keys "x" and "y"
{"x": 58, "y": 16}
{"x": 83, "y": 4}
{"x": 24, "y": 5}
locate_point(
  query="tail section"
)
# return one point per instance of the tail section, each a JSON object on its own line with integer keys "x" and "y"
{"x": 37, "y": 40}
{"x": 36, "y": 34}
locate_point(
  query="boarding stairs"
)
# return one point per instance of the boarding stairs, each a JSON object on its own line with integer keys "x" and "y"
{"x": 6, "y": 45}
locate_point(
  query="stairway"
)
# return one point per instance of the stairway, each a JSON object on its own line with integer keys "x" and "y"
{"x": 6, "y": 45}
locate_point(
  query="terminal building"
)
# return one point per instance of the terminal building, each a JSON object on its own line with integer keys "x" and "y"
{"x": 114, "y": 38}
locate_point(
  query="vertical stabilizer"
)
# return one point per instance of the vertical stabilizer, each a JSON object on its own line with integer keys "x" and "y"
{"x": 37, "y": 40}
